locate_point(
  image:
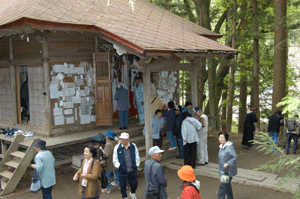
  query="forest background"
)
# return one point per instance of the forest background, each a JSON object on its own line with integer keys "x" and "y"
{"x": 263, "y": 31}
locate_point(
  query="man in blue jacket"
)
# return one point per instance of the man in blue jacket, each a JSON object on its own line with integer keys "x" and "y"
{"x": 156, "y": 181}
{"x": 169, "y": 113}
{"x": 44, "y": 165}
{"x": 126, "y": 158}
{"x": 122, "y": 99}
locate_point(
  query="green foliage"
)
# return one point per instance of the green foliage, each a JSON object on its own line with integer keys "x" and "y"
{"x": 279, "y": 162}
{"x": 290, "y": 105}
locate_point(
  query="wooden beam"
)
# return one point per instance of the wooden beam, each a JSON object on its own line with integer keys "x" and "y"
{"x": 96, "y": 44}
{"x": 46, "y": 86}
{"x": 13, "y": 83}
{"x": 194, "y": 85}
{"x": 147, "y": 109}
{"x": 168, "y": 65}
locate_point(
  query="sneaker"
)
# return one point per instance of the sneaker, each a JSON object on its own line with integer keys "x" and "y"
{"x": 132, "y": 195}
{"x": 139, "y": 124}
{"x": 115, "y": 184}
{"x": 172, "y": 149}
{"x": 103, "y": 190}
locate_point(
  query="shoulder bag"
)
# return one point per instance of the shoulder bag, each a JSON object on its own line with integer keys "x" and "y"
{"x": 102, "y": 177}
{"x": 153, "y": 194}
{"x": 35, "y": 182}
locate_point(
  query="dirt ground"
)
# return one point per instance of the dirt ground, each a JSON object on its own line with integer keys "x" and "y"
{"x": 66, "y": 188}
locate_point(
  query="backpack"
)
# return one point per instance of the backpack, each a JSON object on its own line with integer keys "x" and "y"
{"x": 292, "y": 125}
{"x": 102, "y": 177}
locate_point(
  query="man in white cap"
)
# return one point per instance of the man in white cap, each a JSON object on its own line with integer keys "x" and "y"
{"x": 156, "y": 182}
{"x": 126, "y": 158}
{"x": 202, "y": 154}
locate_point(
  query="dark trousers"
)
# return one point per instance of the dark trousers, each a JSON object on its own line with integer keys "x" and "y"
{"x": 47, "y": 192}
{"x": 83, "y": 191}
{"x": 133, "y": 183}
{"x": 225, "y": 189}
{"x": 289, "y": 137}
{"x": 158, "y": 142}
{"x": 180, "y": 147}
{"x": 190, "y": 154}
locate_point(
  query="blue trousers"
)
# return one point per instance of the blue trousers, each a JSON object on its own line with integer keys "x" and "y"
{"x": 116, "y": 176}
{"x": 180, "y": 147}
{"x": 289, "y": 137}
{"x": 123, "y": 118}
{"x": 274, "y": 136}
{"x": 225, "y": 189}
{"x": 141, "y": 112}
{"x": 172, "y": 139}
{"x": 133, "y": 183}
{"x": 47, "y": 192}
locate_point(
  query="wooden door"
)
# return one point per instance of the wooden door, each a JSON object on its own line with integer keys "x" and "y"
{"x": 103, "y": 91}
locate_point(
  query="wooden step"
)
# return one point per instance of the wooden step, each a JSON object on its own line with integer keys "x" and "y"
{"x": 6, "y": 174}
{"x": 3, "y": 185}
{"x": 12, "y": 163}
{"x": 18, "y": 154}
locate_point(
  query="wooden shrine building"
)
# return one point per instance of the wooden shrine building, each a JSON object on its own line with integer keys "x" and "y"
{"x": 63, "y": 49}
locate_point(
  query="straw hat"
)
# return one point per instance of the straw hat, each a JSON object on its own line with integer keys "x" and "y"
{"x": 186, "y": 173}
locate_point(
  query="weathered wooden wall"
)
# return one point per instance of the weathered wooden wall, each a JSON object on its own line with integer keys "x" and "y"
{"x": 6, "y": 115}
{"x": 70, "y": 47}
{"x": 36, "y": 96}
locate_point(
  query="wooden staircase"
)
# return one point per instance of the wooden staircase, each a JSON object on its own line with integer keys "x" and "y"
{"x": 14, "y": 164}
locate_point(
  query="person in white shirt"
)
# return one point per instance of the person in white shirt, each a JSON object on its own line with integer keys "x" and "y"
{"x": 202, "y": 154}
{"x": 189, "y": 129}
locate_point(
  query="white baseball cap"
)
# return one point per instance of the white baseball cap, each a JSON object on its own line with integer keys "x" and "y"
{"x": 154, "y": 150}
{"x": 124, "y": 136}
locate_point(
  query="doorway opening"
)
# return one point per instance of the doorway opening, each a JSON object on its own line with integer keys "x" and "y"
{"x": 23, "y": 95}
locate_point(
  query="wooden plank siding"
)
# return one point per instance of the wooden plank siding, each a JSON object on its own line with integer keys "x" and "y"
{"x": 6, "y": 108}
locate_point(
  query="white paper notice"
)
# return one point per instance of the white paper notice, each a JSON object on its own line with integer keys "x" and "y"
{"x": 68, "y": 104}
{"x": 68, "y": 111}
{"x": 54, "y": 93}
{"x": 71, "y": 91}
{"x": 69, "y": 120}
{"x": 59, "y": 120}
{"x": 75, "y": 113}
{"x": 93, "y": 118}
{"x": 85, "y": 119}
{"x": 57, "y": 68}
{"x": 57, "y": 111}
{"x": 76, "y": 99}
{"x": 79, "y": 70}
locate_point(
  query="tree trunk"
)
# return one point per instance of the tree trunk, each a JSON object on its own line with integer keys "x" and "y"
{"x": 280, "y": 55}
{"x": 255, "y": 85}
{"x": 202, "y": 80}
{"x": 212, "y": 94}
{"x": 243, "y": 80}
{"x": 231, "y": 85}
{"x": 223, "y": 117}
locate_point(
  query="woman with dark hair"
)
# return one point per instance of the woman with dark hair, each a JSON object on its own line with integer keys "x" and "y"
{"x": 88, "y": 174}
{"x": 276, "y": 120}
{"x": 249, "y": 128}
{"x": 227, "y": 164}
{"x": 169, "y": 113}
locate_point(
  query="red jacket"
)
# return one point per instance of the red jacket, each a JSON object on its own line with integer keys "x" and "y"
{"x": 190, "y": 192}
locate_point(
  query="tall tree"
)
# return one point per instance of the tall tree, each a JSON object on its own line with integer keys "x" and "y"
{"x": 255, "y": 85}
{"x": 280, "y": 53}
{"x": 232, "y": 72}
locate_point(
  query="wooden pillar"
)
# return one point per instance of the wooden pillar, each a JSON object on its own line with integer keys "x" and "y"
{"x": 147, "y": 109}
{"x": 96, "y": 44}
{"x": 48, "y": 127}
{"x": 194, "y": 87}
{"x": 13, "y": 83}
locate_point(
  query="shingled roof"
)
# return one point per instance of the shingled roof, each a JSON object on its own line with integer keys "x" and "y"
{"x": 148, "y": 27}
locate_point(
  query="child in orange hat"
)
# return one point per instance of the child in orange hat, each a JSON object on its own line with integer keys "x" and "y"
{"x": 190, "y": 186}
